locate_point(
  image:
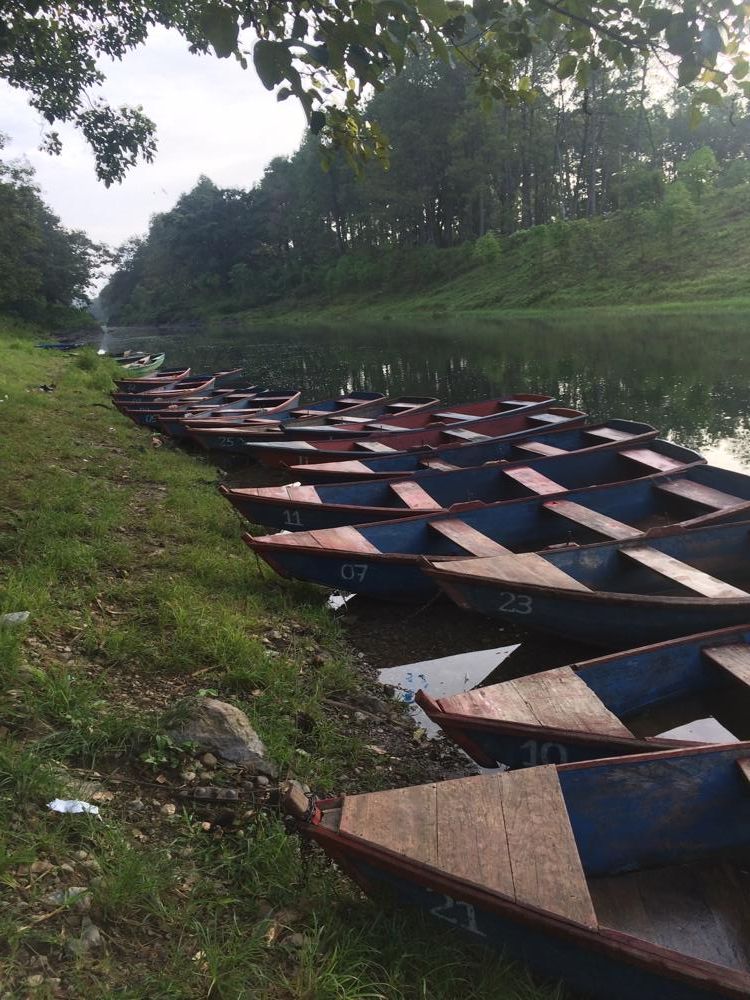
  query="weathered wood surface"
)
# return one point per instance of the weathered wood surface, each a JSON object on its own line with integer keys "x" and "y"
{"x": 534, "y": 480}
{"x": 735, "y": 660}
{"x": 507, "y": 832}
{"x": 699, "y": 493}
{"x": 414, "y": 496}
{"x": 652, "y": 459}
{"x": 540, "y": 448}
{"x": 465, "y": 435}
{"x": 437, "y": 463}
{"x": 610, "y": 434}
{"x": 682, "y": 573}
{"x": 377, "y": 446}
{"x": 701, "y": 910}
{"x": 346, "y": 538}
{"x": 556, "y": 698}
{"x": 524, "y": 567}
{"x": 467, "y": 537}
{"x": 599, "y": 523}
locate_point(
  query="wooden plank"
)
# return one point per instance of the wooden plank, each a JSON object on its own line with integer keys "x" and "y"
{"x": 533, "y": 480}
{"x": 524, "y": 568}
{"x": 701, "y": 494}
{"x": 682, "y": 573}
{"x": 303, "y": 494}
{"x": 467, "y": 537}
{"x": 549, "y": 418}
{"x": 744, "y": 765}
{"x": 560, "y": 699}
{"x": 346, "y": 539}
{"x": 599, "y": 523}
{"x": 452, "y": 415}
{"x": 374, "y": 446}
{"x": 464, "y": 435}
{"x": 544, "y": 858}
{"x": 414, "y": 496}
{"x": 496, "y": 701}
{"x": 609, "y": 433}
{"x": 735, "y": 660}
{"x": 540, "y": 448}
{"x": 401, "y": 820}
{"x": 471, "y": 840}
{"x": 646, "y": 456}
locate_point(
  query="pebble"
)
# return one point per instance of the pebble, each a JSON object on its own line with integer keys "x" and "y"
{"x": 76, "y": 896}
{"x": 168, "y": 809}
{"x": 262, "y": 781}
{"x": 188, "y": 775}
{"x": 136, "y": 805}
{"x": 295, "y": 940}
{"x": 34, "y": 981}
{"x": 40, "y": 867}
{"x": 209, "y": 760}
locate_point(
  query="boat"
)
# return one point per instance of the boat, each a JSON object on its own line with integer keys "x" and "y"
{"x": 275, "y": 452}
{"x": 212, "y": 433}
{"x": 61, "y": 345}
{"x": 387, "y": 560}
{"x": 687, "y": 690}
{"x": 195, "y": 386}
{"x": 616, "y": 594}
{"x": 283, "y": 454}
{"x": 625, "y": 877}
{"x": 545, "y": 440}
{"x": 143, "y": 365}
{"x": 250, "y": 398}
{"x": 433, "y": 492}
{"x": 139, "y": 385}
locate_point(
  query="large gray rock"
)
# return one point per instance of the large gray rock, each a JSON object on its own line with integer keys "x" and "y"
{"x": 224, "y": 730}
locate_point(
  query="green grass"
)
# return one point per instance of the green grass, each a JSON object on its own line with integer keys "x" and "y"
{"x": 140, "y": 592}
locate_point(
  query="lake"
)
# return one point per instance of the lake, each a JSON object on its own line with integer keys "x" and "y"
{"x": 688, "y": 374}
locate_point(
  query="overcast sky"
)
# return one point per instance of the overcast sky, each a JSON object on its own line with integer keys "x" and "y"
{"x": 211, "y": 116}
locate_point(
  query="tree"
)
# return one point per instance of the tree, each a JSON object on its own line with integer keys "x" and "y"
{"x": 328, "y": 55}
{"x": 699, "y": 171}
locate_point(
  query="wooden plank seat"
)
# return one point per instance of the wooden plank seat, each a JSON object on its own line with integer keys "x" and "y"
{"x": 467, "y": 537}
{"x": 528, "y": 568}
{"x": 401, "y": 406}
{"x": 682, "y": 573}
{"x": 303, "y": 494}
{"x": 465, "y": 435}
{"x": 554, "y": 698}
{"x": 344, "y": 418}
{"x": 705, "y": 495}
{"x": 599, "y": 523}
{"x": 509, "y": 833}
{"x": 609, "y": 433}
{"x": 540, "y": 448}
{"x": 734, "y": 660}
{"x": 450, "y": 415}
{"x": 548, "y": 418}
{"x": 374, "y": 446}
{"x": 652, "y": 459}
{"x": 414, "y": 496}
{"x": 438, "y": 463}
{"x": 533, "y": 480}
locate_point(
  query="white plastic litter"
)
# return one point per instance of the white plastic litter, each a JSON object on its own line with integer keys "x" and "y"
{"x": 14, "y": 618}
{"x": 72, "y": 806}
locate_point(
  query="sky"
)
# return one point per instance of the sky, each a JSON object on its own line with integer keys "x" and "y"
{"x": 211, "y": 117}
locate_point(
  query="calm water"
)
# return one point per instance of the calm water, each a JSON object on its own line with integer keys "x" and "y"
{"x": 688, "y": 375}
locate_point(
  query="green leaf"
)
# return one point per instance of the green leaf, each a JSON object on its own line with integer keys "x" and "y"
{"x": 272, "y": 61}
{"x": 220, "y": 28}
{"x": 437, "y": 12}
{"x": 708, "y": 96}
{"x": 317, "y": 121}
{"x": 696, "y": 116}
{"x": 567, "y": 66}
{"x": 688, "y": 70}
{"x": 740, "y": 69}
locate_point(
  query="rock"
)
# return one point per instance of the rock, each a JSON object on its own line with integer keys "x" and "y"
{"x": 40, "y": 867}
{"x": 168, "y": 809}
{"x": 78, "y": 897}
{"x": 14, "y": 618}
{"x": 262, "y": 781}
{"x": 90, "y": 940}
{"x": 222, "y": 730}
{"x": 295, "y": 940}
{"x": 209, "y": 760}
{"x": 136, "y": 805}
{"x": 34, "y": 981}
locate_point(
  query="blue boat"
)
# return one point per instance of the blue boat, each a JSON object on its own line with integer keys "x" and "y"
{"x": 397, "y": 560}
{"x": 432, "y": 492}
{"x": 691, "y": 690}
{"x": 536, "y": 442}
{"x": 616, "y": 594}
{"x": 61, "y": 345}
{"x": 247, "y": 402}
{"x": 626, "y": 878}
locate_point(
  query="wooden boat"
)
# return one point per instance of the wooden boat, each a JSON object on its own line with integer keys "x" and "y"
{"x": 139, "y": 385}
{"x": 279, "y": 452}
{"x": 250, "y": 398}
{"x": 695, "y": 689}
{"x": 387, "y": 560}
{"x": 144, "y": 365}
{"x": 625, "y": 878}
{"x": 433, "y": 492}
{"x": 174, "y": 391}
{"x": 621, "y": 593}
{"x": 297, "y": 421}
{"x": 61, "y": 345}
{"x": 282, "y": 454}
{"x": 545, "y": 440}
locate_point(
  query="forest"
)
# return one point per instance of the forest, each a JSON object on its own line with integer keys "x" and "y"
{"x": 45, "y": 269}
{"x": 463, "y": 175}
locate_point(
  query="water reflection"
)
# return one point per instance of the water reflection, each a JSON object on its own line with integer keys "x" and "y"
{"x": 687, "y": 374}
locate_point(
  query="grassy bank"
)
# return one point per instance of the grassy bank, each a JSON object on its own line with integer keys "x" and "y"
{"x": 140, "y": 592}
